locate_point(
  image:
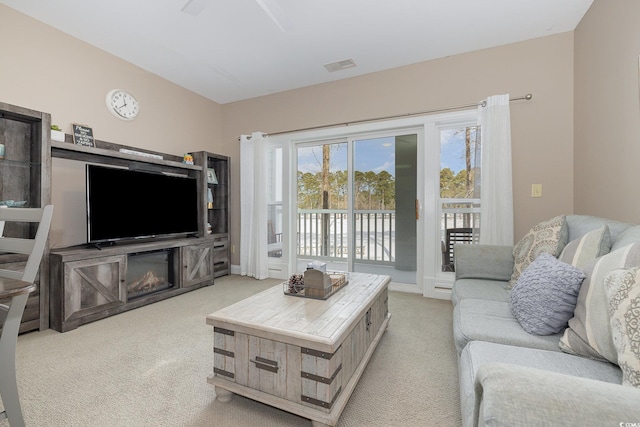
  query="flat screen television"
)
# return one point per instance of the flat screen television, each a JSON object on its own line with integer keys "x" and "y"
{"x": 125, "y": 204}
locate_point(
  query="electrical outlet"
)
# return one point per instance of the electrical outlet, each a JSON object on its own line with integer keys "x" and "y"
{"x": 536, "y": 190}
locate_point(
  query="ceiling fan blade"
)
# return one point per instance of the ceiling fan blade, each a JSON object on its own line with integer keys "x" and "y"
{"x": 275, "y": 12}
{"x": 194, "y": 7}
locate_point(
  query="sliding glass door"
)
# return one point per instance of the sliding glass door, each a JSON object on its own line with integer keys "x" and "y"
{"x": 357, "y": 205}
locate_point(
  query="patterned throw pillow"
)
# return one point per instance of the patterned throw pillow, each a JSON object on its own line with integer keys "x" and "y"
{"x": 548, "y": 236}
{"x": 592, "y": 245}
{"x": 623, "y": 292}
{"x": 589, "y": 332}
{"x": 545, "y": 295}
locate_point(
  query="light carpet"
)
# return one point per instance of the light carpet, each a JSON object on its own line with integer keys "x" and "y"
{"x": 148, "y": 367}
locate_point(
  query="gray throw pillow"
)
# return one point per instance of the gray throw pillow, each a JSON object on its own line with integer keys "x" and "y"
{"x": 545, "y": 295}
{"x": 548, "y": 236}
{"x": 589, "y": 333}
{"x": 585, "y": 249}
{"x": 623, "y": 293}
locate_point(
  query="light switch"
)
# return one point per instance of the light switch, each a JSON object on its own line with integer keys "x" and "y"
{"x": 536, "y": 190}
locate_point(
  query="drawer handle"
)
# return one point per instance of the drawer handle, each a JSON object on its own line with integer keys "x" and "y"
{"x": 266, "y": 364}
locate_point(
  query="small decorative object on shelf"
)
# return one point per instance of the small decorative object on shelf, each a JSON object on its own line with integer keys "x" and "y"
{"x": 83, "y": 135}
{"x": 211, "y": 176}
{"x": 315, "y": 284}
{"x": 57, "y": 134}
{"x": 209, "y": 199}
{"x": 13, "y": 203}
{"x": 187, "y": 159}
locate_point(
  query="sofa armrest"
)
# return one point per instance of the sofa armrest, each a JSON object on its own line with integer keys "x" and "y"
{"x": 510, "y": 395}
{"x": 483, "y": 262}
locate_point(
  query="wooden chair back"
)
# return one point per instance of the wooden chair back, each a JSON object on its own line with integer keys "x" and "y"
{"x": 33, "y": 248}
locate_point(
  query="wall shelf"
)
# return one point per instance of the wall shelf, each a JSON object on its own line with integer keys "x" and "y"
{"x": 105, "y": 152}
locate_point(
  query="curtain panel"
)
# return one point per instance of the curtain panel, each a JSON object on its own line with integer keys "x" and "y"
{"x": 253, "y": 206}
{"x": 496, "y": 196}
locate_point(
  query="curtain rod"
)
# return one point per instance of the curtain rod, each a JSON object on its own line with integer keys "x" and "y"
{"x": 526, "y": 97}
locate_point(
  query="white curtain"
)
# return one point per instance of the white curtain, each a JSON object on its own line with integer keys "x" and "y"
{"x": 253, "y": 206}
{"x": 496, "y": 196}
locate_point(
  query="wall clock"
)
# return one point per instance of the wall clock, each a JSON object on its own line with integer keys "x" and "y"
{"x": 122, "y": 104}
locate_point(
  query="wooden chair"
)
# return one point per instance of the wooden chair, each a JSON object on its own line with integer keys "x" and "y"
{"x": 15, "y": 285}
{"x": 454, "y": 236}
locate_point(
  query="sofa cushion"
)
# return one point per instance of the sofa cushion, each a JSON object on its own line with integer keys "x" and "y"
{"x": 494, "y": 290}
{"x": 627, "y": 237}
{"x": 585, "y": 249}
{"x": 548, "y": 236}
{"x": 479, "y": 353}
{"x": 484, "y": 320}
{"x": 623, "y": 293}
{"x": 512, "y": 395}
{"x": 589, "y": 332}
{"x": 545, "y": 295}
{"x": 579, "y": 225}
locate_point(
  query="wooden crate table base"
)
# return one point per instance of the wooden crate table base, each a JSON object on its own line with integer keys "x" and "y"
{"x": 300, "y": 355}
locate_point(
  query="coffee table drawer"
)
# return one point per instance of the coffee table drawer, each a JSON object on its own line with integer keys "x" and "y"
{"x": 298, "y": 374}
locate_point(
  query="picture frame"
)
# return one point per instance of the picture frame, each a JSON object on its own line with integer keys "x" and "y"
{"x": 211, "y": 176}
{"x": 83, "y": 135}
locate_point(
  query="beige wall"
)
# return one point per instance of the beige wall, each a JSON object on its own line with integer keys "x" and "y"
{"x": 46, "y": 70}
{"x": 607, "y": 111}
{"x": 542, "y": 129}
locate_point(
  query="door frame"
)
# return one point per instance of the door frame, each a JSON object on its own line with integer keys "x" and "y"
{"x": 429, "y": 280}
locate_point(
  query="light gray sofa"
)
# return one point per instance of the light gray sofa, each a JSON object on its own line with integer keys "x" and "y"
{"x": 509, "y": 377}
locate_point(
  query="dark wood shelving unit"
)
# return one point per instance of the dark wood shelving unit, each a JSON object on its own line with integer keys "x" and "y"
{"x": 214, "y": 208}
{"x": 25, "y": 175}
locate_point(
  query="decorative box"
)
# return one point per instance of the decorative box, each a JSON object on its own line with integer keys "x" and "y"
{"x": 315, "y": 284}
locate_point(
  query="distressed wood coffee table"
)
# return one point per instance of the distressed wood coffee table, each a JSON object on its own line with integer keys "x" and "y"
{"x": 300, "y": 355}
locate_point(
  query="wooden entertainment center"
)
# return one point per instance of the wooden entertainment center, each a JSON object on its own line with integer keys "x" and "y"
{"x": 89, "y": 283}
{"x": 80, "y": 284}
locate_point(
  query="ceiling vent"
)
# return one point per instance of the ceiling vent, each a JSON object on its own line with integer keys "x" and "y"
{"x": 340, "y": 65}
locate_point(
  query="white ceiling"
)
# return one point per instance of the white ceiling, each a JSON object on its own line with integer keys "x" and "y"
{"x": 229, "y": 50}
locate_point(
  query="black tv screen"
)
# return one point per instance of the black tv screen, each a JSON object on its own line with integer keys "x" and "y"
{"x": 125, "y": 204}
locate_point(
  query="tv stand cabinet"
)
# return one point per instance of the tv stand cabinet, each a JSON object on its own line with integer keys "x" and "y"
{"x": 93, "y": 282}
{"x": 88, "y": 283}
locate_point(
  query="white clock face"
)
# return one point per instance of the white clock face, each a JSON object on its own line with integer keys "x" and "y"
{"x": 122, "y": 104}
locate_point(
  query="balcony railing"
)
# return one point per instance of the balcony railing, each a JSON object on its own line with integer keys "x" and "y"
{"x": 374, "y": 235}
{"x": 458, "y": 213}
{"x": 374, "y": 231}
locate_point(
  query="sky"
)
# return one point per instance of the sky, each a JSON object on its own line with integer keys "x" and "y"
{"x": 379, "y": 154}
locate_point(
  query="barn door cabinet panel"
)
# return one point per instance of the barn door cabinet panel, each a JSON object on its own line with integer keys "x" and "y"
{"x": 92, "y": 286}
{"x": 197, "y": 264}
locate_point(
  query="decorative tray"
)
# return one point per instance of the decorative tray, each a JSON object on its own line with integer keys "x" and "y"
{"x": 295, "y": 286}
